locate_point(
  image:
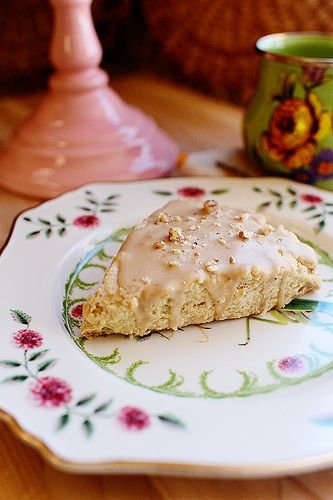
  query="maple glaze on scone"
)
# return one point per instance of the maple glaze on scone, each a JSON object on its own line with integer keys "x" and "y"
{"x": 193, "y": 262}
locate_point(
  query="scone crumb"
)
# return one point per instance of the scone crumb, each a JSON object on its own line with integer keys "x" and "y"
{"x": 242, "y": 217}
{"x": 211, "y": 267}
{"x": 217, "y": 224}
{"x": 222, "y": 241}
{"x": 235, "y": 227}
{"x": 178, "y": 218}
{"x": 174, "y": 263}
{"x": 244, "y": 235}
{"x": 190, "y": 218}
{"x": 162, "y": 218}
{"x": 232, "y": 259}
{"x": 146, "y": 280}
{"x": 221, "y": 300}
{"x": 176, "y": 251}
{"x": 176, "y": 234}
{"x": 264, "y": 231}
{"x": 159, "y": 244}
{"x": 210, "y": 206}
{"x": 196, "y": 254}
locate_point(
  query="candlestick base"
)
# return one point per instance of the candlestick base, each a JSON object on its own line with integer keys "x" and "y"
{"x": 82, "y": 137}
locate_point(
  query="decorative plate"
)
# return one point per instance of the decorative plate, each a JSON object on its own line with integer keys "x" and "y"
{"x": 248, "y": 397}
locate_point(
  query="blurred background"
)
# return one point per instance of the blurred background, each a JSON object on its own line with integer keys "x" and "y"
{"x": 208, "y": 44}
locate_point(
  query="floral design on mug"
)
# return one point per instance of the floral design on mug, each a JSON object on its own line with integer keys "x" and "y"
{"x": 54, "y": 392}
{"x": 296, "y": 127}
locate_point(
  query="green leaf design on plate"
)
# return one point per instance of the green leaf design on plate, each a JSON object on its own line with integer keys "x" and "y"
{"x": 168, "y": 418}
{"x": 220, "y": 191}
{"x": 9, "y": 363}
{"x": 63, "y": 421}
{"x": 111, "y": 359}
{"x": 86, "y": 209}
{"x": 93, "y": 202}
{"x": 321, "y": 226}
{"x": 61, "y": 219}
{"x": 37, "y": 355}
{"x": 33, "y": 234}
{"x": 309, "y": 305}
{"x": 130, "y": 372}
{"x": 275, "y": 193}
{"x": 88, "y": 427}
{"x": 250, "y": 381}
{"x": 103, "y": 406}
{"x": 20, "y": 316}
{"x": 163, "y": 193}
{"x": 263, "y": 205}
{"x": 203, "y": 380}
{"x": 309, "y": 209}
{"x": 62, "y": 231}
{"x": 16, "y": 378}
{"x": 172, "y": 382}
{"x": 44, "y": 221}
{"x": 46, "y": 364}
{"x": 86, "y": 400}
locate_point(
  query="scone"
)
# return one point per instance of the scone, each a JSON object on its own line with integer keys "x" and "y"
{"x": 193, "y": 262}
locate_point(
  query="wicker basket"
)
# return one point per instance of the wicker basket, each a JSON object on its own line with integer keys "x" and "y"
{"x": 206, "y": 42}
{"x": 212, "y": 41}
{"x": 25, "y": 31}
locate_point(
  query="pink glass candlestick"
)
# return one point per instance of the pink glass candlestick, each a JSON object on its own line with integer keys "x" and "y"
{"x": 82, "y": 131}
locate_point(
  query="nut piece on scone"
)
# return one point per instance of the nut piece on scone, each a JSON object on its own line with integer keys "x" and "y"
{"x": 192, "y": 269}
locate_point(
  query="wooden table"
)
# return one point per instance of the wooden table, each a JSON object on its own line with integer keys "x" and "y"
{"x": 196, "y": 122}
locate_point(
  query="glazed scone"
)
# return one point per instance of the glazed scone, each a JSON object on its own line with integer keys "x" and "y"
{"x": 194, "y": 262}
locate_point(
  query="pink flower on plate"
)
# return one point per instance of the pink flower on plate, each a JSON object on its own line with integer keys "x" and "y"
{"x": 311, "y": 198}
{"x": 191, "y": 192}
{"x": 77, "y": 311}
{"x": 291, "y": 364}
{"x": 51, "y": 391}
{"x": 86, "y": 221}
{"x": 133, "y": 418}
{"x": 27, "y": 339}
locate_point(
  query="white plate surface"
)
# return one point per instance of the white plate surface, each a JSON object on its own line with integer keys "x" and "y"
{"x": 241, "y": 398}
